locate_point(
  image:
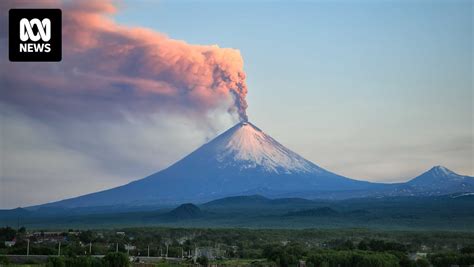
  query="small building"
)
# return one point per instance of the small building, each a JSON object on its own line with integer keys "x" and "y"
{"x": 11, "y": 243}
{"x": 301, "y": 263}
{"x": 74, "y": 233}
{"x": 130, "y": 247}
{"x": 418, "y": 255}
{"x": 49, "y": 237}
{"x": 208, "y": 252}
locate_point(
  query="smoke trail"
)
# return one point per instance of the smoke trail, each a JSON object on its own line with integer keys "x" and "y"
{"x": 108, "y": 67}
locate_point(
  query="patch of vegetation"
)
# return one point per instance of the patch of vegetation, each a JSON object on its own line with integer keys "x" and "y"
{"x": 248, "y": 247}
{"x": 324, "y": 211}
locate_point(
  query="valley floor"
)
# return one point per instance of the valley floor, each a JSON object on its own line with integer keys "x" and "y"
{"x": 440, "y": 213}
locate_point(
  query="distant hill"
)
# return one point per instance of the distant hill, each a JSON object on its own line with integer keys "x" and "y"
{"x": 238, "y": 201}
{"x": 437, "y": 181}
{"x": 450, "y": 212}
{"x": 185, "y": 211}
{"x": 358, "y": 212}
{"x": 14, "y": 213}
{"x": 319, "y": 212}
{"x": 257, "y": 202}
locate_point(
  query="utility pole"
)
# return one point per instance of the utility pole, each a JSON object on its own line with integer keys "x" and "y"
{"x": 195, "y": 254}
{"x": 166, "y": 250}
{"x": 116, "y": 247}
{"x": 28, "y": 248}
{"x": 182, "y": 253}
{"x": 148, "y": 251}
{"x": 90, "y": 248}
{"x": 59, "y": 248}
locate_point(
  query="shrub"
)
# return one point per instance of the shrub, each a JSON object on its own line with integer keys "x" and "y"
{"x": 83, "y": 262}
{"x": 352, "y": 258}
{"x": 116, "y": 259}
{"x": 55, "y": 262}
{"x": 203, "y": 260}
{"x": 4, "y": 260}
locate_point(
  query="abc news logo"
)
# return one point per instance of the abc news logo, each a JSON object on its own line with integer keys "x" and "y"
{"x": 35, "y": 35}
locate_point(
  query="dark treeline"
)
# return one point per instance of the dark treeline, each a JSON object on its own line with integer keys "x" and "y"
{"x": 110, "y": 260}
{"x": 376, "y": 253}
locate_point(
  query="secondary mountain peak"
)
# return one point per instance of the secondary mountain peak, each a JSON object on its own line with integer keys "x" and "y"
{"x": 438, "y": 173}
{"x": 442, "y": 171}
{"x": 438, "y": 180}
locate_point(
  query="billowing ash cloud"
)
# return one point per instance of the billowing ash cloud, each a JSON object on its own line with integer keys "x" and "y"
{"x": 123, "y": 103}
{"x": 110, "y": 69}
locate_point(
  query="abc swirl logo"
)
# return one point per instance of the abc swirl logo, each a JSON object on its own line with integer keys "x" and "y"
{"x": 26, "y": 30}
{"x": 35, "y": 35}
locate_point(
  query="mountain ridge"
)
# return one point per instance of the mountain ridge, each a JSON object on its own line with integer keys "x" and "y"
{"x": 244, "y": 160}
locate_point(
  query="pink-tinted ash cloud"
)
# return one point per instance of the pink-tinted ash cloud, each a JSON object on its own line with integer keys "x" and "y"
{"x": 108, "y": 69}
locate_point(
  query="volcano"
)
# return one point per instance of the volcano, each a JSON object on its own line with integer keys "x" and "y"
{"x": 437, "y": 181}
{"x": 244, "y": 160}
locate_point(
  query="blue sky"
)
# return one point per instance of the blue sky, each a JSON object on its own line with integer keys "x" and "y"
{"x": 372, "y": 90}
{"x": 364, "y": 88}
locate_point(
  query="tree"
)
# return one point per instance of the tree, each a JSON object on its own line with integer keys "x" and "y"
{"x": 284, "y": 255}
{"x": 468, "y": 250}
{"x": 349, "y": 258}
{"x": 422, "y": 263}
{"x": 4, "y": 260}
{"x": 381, "y": 245}
{"x": 86, "y": 236}
{"x": 84, "y": 262}
{"x": 203, "y": 260}
{"x": 7, "y": 233}
{"x": 444, "y": 259}
{"x": 116, "y": 259}
{"x": 55, "y": 262}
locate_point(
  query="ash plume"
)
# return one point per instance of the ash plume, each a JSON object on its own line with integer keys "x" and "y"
{"x": 109, "y": 69}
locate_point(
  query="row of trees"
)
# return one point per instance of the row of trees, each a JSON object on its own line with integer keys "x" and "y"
{"x": 110, "y": 260}
{"x": 368, "y": 253}
{"x": 462, "y": 258}
{"x": 290, "y": 255}
{"x": 352, "y": 258}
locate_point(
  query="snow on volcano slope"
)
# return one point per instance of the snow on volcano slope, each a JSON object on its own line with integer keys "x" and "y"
{"x": 241, "y": 161}
{"x": 249, "y": 147}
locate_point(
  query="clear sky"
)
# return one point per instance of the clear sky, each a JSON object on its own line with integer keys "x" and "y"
{"x": 378, "y": 90}
{"x": 372, "y": 90}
